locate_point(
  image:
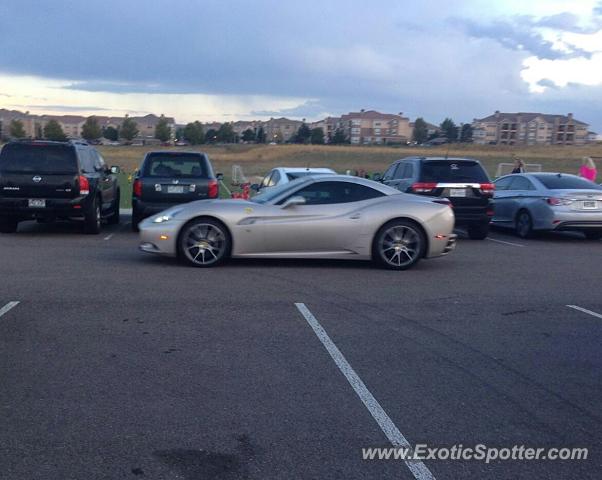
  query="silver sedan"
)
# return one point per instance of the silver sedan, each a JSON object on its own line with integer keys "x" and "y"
{"x": 313, "y": 217}
{"x": 531, "y": 202}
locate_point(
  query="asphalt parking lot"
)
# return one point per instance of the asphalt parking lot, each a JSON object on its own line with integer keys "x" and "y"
{"x": 115, "y": 364}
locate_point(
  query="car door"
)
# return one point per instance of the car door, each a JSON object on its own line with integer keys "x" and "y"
{"x": 405, "y": 177}
{"x": 330, "y": 220}
{"x": 501, "y": 200}
{"x": 389, "y": 175}
{"x": 519, "y": 195}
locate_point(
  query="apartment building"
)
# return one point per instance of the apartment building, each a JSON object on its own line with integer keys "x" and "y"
{"x": 529, "y": 129}
{"x": 28, "y": 121}
{"x": 368, "y": 127}
{"x": 280, "y": 130}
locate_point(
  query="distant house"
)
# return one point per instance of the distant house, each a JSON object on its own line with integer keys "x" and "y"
{"x": 368, "y": 127}
{"x": 29, "y": 122}
{"x": 281, "y": 130}
{"x": 529, "y": 129}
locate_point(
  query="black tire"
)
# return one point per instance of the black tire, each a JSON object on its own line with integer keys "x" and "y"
{"x": 593, "y": 234}
{"x": 398, "y": 245}
{"x": 115, "y": 217}
{"x": 92, "y": 218}
{"x": 136, "y": 219}
{"x": 524, "y": 224}
{"x": 478, "y": 232}
{"x": 204, "y": 242}
{"x": 8, "y": 225}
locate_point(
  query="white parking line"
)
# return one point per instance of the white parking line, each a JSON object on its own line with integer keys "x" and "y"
{"x": 585, "y": 310}
{"x": 418, "y": 468}
{"x": 108, "y": 237}
{"x": 6, "y": 308}
{"x": 505, "y": 243}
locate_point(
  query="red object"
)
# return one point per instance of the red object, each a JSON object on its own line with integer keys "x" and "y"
{"x": 84, "y": 185}
{"x": 137, "y": 188}
{"x": 487, "y": 188}
{"x": 421, "y": 187}
{"x": 213, "y": 189}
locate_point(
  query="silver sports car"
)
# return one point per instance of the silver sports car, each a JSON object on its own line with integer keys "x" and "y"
{"x": 530, "y": 202}
{"x": 312, "y": 217}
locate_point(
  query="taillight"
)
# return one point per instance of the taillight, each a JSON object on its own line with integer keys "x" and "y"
{"x": 213, "y": 189}
{"x": 420, "y": 187}
{"x": 487, "y": 189}
{"x": 137, "y": 188}
{"x": 556, "y": 202}
{"x": 84, "y": 185}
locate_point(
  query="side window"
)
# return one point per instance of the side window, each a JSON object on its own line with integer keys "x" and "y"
{"x": 101, "y": 160}
{"x": 325, "y": 193}
{"x": 266, "y": 181}
{"x": 503, "y": 183}
{"x": 275, "y": 178}
{"x": 399, "y": 173}
{"x": 86, "y": 161}
{"x": 390, "y": 172}
{"x": 406, "y": 172}
{"x": 521, "y": 183}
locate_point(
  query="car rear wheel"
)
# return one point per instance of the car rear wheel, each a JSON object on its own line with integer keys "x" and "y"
{"x": 136, "y": 219}
{"x": 524, "y": 224}
{"x": 478, "y": 232}
{"x": 593, "y": 234}
{"x": 204, "y": 243}
{"x": 115, "y": 217}
{"x": 92, "y": 218}
{"x": 8, "y": 225}
{"x": 399, "y": 245}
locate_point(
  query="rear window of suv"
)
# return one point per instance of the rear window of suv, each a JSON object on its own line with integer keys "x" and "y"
{"x": 451, "y": 171}
{"x": 176, "y": 166}
{"x": 566, "y": 182}
{"x": 38, "y": 159}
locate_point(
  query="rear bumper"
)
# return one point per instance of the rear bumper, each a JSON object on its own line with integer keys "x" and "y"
{"x": 55, "y": 207}
{"x": 465, "y": 219}
{"x": 581, "y": 220}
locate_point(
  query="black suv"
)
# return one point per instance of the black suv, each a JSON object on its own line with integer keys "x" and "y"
{"x": 167, "y": 178}
{"x": 56, "y": 180}
{"x": 463, "y": 180}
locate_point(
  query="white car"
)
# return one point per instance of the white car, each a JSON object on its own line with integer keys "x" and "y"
{"x": 284, "y": 175}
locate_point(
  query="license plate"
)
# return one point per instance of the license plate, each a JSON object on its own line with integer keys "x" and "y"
{"x": 457, "y": 192}
{"x": 590, "y": 205}
{"x": 175, "y": 189}
{"x": 37, "y": 203}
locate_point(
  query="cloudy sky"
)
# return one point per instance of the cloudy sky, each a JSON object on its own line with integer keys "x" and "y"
{"x": 227, "y": 59}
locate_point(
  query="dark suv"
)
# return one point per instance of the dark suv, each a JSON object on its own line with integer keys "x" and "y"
{"x": 167, "y": 178}
{"x": 463, "y": 181}
{"x": 56, "y": 180}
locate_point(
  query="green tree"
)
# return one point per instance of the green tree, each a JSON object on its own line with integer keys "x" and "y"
{"x": 110, "y": 133}
{"x": 317, "y": 136}
{"x": 211, "y": 136}
{"x": 193, "y": 133}
{"x": 303, "y": 134}
{"x": 339, "y": 137}
{"x": 248, "y": 135}
{"x": 226, "y": 133}
{"x": 163, "y": 130}
{"x": 421, "y": 131}
{"x": 466, "y": 133}
{"x": 16, "y": 129}
{"x": 261, "y": 135}
{"x": 91, "y": 129}
{"x": 54, "y": 132}
{"x": 129, "y": 129}
{"x": 450, "y": 130}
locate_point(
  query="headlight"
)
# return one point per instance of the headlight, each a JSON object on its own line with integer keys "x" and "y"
{"x": 166, "y": 217}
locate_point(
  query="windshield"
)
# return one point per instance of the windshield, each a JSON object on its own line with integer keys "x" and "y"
{"x": 176, "y": 165}
{"x": 278, "y": 190}
{"x": 566, "y": 182}
{"x": 38, "y": 158}
{"x": 453, "y": 171}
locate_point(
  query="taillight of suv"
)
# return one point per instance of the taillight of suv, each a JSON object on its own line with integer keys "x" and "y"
{"x": 137, "y": 188}
{"x": 84, "y": 185}
{"x": 213, "y": 189}
{"x": 421, "y": 187}
{"x": 487, "y": 189}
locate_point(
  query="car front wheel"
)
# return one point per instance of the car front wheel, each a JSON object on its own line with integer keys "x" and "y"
{"x": 204, "y": 242}
{"x": 399, "y": 245}
{"x": 92, "y": 218}
{"x": 8, "y": 225}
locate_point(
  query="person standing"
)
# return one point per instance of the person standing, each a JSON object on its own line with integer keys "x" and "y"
{"x": 588, "y": 169}
{"x": 519, "y": 166}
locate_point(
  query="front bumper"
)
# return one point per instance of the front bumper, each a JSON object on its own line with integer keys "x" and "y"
{"x": 159, "y": 238}
{"x": 442, "y": 245}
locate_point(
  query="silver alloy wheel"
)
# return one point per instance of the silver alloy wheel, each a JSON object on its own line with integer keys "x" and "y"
{"x": 98, "y": 217}
{"x": 204, "y": 243}
{"x": 400, "y": 245}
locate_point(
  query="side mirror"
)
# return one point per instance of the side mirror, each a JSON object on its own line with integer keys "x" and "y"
{"x": 254, "y": 186}
{"x": 219, "y": 176}
{"x": 115, "y": 169}
{"x": 292, "y": 201}
{"x": 377, "y": 177}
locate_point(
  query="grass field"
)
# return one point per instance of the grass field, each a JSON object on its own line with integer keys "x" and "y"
{"x": 256, "y": 160}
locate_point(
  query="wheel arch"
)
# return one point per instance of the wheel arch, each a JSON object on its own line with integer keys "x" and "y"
{"x": 405, "y": 219}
